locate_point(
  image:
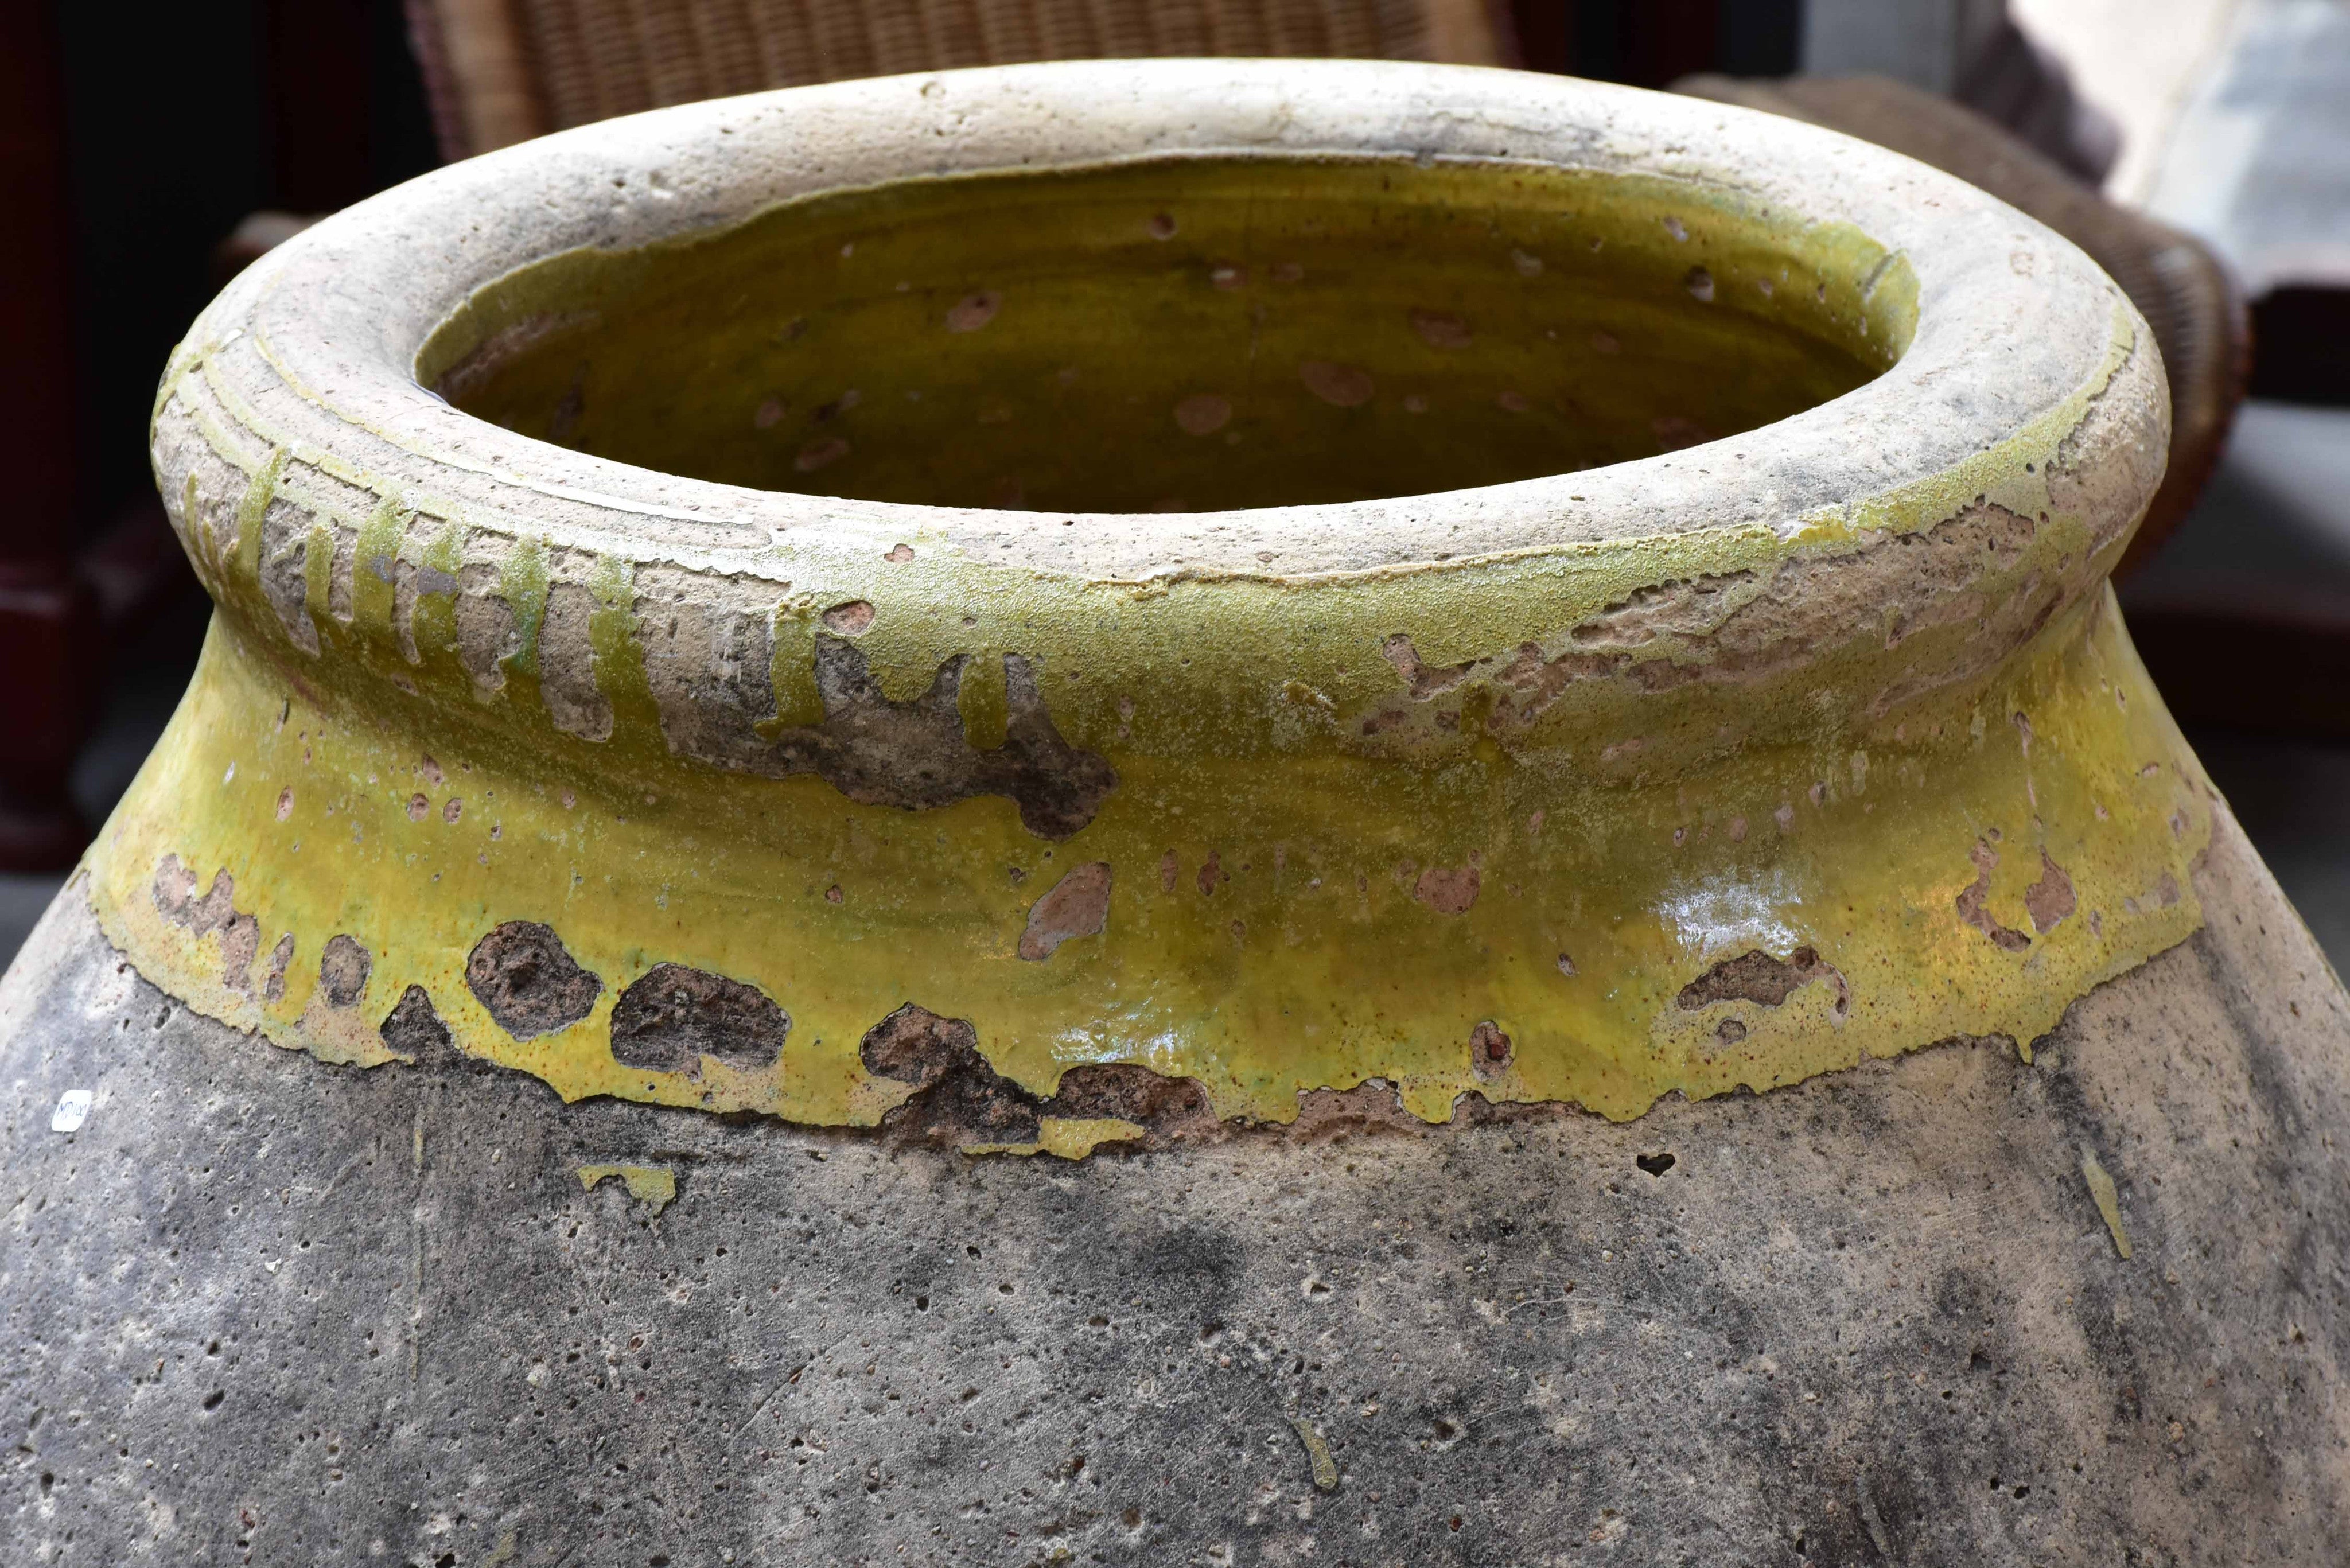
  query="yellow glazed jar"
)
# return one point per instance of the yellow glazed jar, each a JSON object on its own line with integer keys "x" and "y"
{"x": 1485, "y": 708}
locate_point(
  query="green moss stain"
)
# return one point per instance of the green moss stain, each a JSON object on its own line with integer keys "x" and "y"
{"x": 618, "y": 657}
{"x": 435, "y": 558}
{"x": 381, "y": 538}
{"x": 251, "y": 510}
{"x": 318, "y": 574}
{"x": 522, "y": 583}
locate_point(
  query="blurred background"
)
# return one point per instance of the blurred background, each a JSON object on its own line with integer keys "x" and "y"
{"x": 2199, "y": 148}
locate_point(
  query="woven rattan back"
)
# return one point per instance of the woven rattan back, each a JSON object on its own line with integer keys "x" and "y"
{"x": 502, "y": 70}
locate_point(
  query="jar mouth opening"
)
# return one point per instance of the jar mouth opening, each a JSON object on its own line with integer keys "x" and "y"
{"x": 1184, "y": 334}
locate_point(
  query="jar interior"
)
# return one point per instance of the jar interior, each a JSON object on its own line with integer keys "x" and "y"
{"x": 1185, "y": 334}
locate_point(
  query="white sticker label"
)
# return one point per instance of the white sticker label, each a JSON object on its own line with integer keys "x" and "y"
{"x": 73, "y": 1109}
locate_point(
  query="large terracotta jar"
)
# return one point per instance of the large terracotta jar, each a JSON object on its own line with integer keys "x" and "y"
{"x": 1172, "y": 813}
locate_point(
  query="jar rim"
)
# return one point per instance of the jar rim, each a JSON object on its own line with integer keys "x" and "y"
{"x": 2010, "y": 320}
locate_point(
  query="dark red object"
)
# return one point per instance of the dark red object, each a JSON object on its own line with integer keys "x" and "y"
{"x": 46, "y": 625}
{"x": 1652, "y": 42}
{"x": 2301, "y": 336}
{"x": 47, "y": 635}
{"x": 315, "y": 61}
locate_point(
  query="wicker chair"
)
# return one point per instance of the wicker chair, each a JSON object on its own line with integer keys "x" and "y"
{"x": 500, "y": 71}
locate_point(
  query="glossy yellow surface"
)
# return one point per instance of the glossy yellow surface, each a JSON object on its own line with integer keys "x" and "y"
{"x": 1319, "y": 878}
{"x": 1189, "y": 334}
{"x": 1309, "y": 964}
